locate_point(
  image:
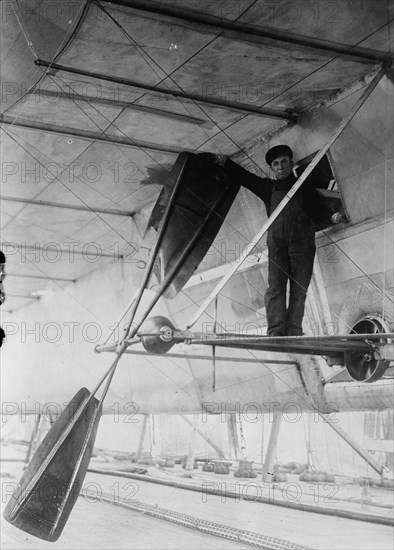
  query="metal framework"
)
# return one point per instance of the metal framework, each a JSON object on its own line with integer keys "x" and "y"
{"x": 221, "y": 358}
{"x": 309, "y": 345}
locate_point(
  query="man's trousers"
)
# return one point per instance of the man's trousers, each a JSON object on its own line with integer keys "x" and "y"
{"x": 291, "y": 261}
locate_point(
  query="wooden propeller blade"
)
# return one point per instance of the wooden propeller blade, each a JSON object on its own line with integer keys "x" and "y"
{"x": 48, "y": 489}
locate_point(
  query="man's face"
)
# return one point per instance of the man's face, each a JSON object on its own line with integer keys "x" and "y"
{"x": 282, "y": 167}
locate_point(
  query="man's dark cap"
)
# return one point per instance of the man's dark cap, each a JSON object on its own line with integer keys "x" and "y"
{"x": 278, "y": 151}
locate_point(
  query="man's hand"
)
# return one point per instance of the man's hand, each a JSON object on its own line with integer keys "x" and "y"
{"x": 338, "y": 218}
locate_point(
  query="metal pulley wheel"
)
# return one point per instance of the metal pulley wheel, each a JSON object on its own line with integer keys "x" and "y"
{"x": 367, "y": 367}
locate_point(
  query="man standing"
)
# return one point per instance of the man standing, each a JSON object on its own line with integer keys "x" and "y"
{"x": 290, "y": 241}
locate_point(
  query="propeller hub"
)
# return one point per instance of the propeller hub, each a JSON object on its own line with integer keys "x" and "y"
{"x": 158, "y": 335}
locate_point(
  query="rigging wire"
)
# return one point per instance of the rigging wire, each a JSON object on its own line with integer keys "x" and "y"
{"x": 236, "y": 230}
{"x": 61, "y": 288}
{"x": 142, "y": 54}
{"x": 126, "y": 240}
{"x": 82, "y": 9}
{"x": 271, "y": 372}
{"x": 139, "y": 48}
{"x": 71, "y": 191}
{"x": 384, "y": 295}
{"x": 308, "y": 75}
{"x": 253, "y": 161}
{"x": 24, "y": 32}
{"x": 46, "y": 70}
{"x": 179, "y": 211}
{"x": 198, "y": 52}
{"x": 35, "y": 85}
{"x": 153, "y": 69}
{"x": 75, "y": 194}
{"x": 302, "y": 397}
{"x": 112, "y": 122}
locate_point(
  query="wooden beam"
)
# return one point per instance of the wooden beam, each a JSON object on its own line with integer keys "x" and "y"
{"x": 142, "y": 437}
{"x": 204, "y": 22}
{"x": 90, "y": 136}
{"x": 232, "y": 433}
{"x": 271, "y": 450}
{"x": 74, "y": 96}
{"x": 93, "y": 209}
{"x": 191, "y": 453}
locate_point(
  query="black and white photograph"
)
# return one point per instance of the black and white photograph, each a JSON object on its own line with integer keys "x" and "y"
{"x": 196, "y": 274}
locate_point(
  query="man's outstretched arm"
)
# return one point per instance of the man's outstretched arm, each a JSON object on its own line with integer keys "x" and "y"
{"x": 259, "y": 186}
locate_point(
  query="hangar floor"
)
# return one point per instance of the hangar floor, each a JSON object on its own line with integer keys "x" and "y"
{"x": 96, "y": 523}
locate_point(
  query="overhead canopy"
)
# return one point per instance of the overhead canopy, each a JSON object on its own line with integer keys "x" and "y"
{"x": 96, "y": 93}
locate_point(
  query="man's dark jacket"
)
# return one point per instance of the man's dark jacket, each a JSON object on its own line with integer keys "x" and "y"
{"x": 306, "y": 211}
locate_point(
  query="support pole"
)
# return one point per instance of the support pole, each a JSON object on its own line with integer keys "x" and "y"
{"x": 309, "y": 452}
{"x": 242, "y": 257}
{"x": 204, "y": 436}
{"x": 190, "y": 454}
{"x": 272, "y": 444}
{"x": 152, "y": 437}
{"x": 142, "y": 437}
{"x": 262, "y": 445}
{"x": 232, "y": 434}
